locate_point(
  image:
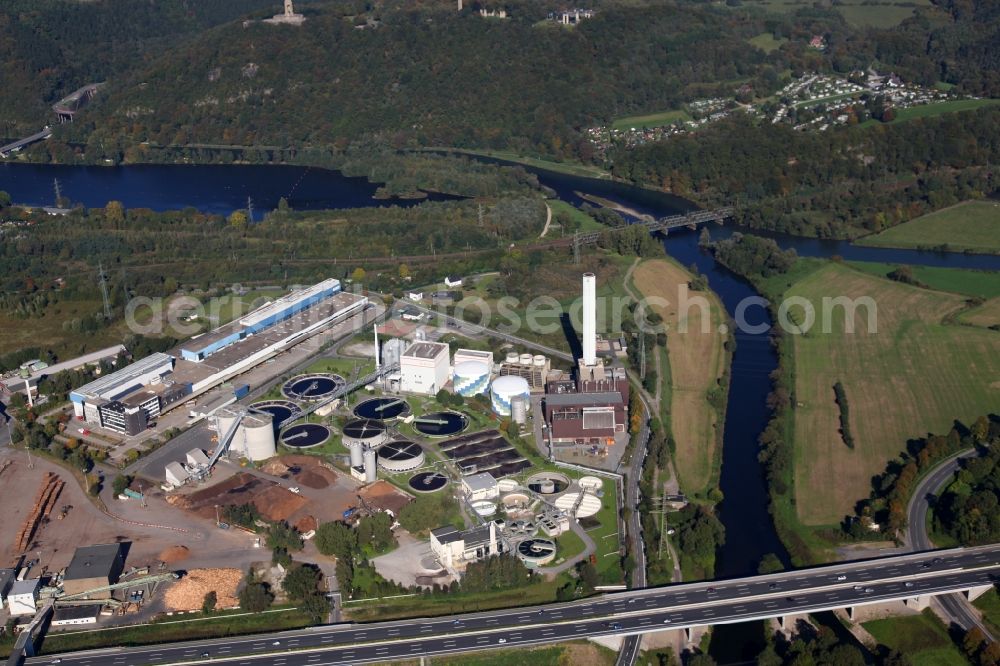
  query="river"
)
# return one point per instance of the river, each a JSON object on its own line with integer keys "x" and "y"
{"x": 220, "y": 189}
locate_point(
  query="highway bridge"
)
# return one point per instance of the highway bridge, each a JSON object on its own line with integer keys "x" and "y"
{"x": 5, "y": 151}
{"x": 909, "y": 580}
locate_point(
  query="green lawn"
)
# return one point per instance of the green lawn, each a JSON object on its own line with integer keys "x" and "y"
{"x": 651, "y": 120}
{"x": 766, "y": 42}
{"x": 983, "y": 284}
{"x": 606, "y": 537}
{"x": 971, "y": 225}
{"x": 568, "y": 545}
{"x": 922, "y": 638}
{"x": 582, "y": 652}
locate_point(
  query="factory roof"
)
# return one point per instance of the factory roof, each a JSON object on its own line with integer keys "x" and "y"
{"x": 583, "y": 399}
{"x": 98, "y": 561}
{"x": 176, "y": 470}
{"x": 425, "y": 349}
{"x": 27, "y": 586}
{"x": 447, "y": 534}
{"x": 197, "y": 457}
{"x": 477, "y": 536}
{"x": 287, "y": 301}
{"x": 130, "y": 373}
{"x": 481, "y": 481}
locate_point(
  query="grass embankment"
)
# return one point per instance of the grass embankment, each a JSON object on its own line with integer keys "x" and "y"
{"x": 571, "y": 168}
{"x": 912, "y": 375}
{"x": 585, "y": 222}
{"x": 697, "y": 362}
{"x": 970, "y": 225}
{"x": 174, "y": 628}
{"x": 989, "y": 604}
{"x": 554, "y": 655}
{"x": 651, "y": 120}
{"x": 922, "y": 638}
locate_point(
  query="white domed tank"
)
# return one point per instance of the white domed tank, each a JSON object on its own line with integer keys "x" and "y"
{"x": 471, "y": 378}
{"x": 519, "y": 409}
{"x": 259, "y": 436}
{"x": 538, "y": 360}
{"x": 525, "y": 359}
{"x": 504, "y": 390}
{"x": 371, "y": 460}
{"x": 512, "y": 357}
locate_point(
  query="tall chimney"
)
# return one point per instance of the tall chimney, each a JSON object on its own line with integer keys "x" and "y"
{"x": 589, "y": 319}
{"x": 377, "y": 355}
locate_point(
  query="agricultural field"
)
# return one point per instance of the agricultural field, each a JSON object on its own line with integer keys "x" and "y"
{"x": 913, "y": 375}
{"x": 922, "y": 638}
{"x": 696, "y": 362}
{"x": 979, "y": 284}
{"x": 935, "y": 109}
{"x": 767, "y": 42}
{"x": 987, "y": 314}
{"x": 971, "y": 225}
{"x": 651, "y": 120}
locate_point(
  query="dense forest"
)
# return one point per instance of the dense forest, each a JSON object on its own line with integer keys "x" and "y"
{"x": 49, "y": 48}
{"x": 830, "y": 184}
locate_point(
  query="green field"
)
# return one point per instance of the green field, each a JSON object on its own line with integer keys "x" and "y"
{"x": 767, "y": 42}
{"x": 989, "y": 604}
{"x": 913, "y": 375}
{"x": 586, "y": 222}
{"x": 970, "y": 225}
{"x": 651, "y": 120}
{"x": 935, "y": 109}
{"x": 555, "y": 655}
{"x": 922, "y": 638}
{"x": 982, "y": 284}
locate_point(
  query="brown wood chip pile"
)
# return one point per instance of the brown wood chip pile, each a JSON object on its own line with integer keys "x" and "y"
{"x": 189, "y": 592}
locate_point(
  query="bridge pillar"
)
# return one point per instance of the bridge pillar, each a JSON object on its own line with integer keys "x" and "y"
{"x": 974, "y": 593}
{"x": 695, "y": 634}
{"x": 787, "y": 624}
{"x": 918, "y": 603}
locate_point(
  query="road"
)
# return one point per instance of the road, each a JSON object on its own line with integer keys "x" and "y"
{"x": 26, "y": 141}
{"x": 957, "y": 607}
{"x": 632, "y": 612}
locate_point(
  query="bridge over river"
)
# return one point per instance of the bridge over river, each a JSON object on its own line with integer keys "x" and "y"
{"x": 898, "y": 581}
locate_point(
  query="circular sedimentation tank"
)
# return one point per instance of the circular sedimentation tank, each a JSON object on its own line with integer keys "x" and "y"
{"x": 281, "y": 411}
{"x": 536, "y": 552}
{"x": 548, "y": 483}
{"x": 428, "y": 482}
{"x": 591, "y": 483}
{"x": 305, "y": 435}
{"x": 515, "y": 501}
{"x": 484, "y": 507}
{"x": 312, "y": 388}
{"x": 369, "y": 432}
{"x": 441, "y": 424}
{"x": 385, "y": 409}
{"x": 400, "y": 456}
{"x": 507, "y": 485}
{"x": 588, "y": 506}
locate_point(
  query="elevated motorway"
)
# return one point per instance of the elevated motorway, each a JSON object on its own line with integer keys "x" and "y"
{"x": 26, "y": 141}
{"x": 910, "y": 579}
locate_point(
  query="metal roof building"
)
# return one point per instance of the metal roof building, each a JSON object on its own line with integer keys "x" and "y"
{"x": 93, "y": 567}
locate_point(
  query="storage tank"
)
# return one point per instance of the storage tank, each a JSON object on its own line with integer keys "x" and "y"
{"x": 471, "y": 378}
{"x": 504, "y": 390}
{"x": 400, "y": 456}
{"x": 259, "y": 436}
{"x": 226, "y": 416}
{"x": 371, "y": 460}
{"x": 392, "y": 350}
{"x": 357, "y": 454}
{"x": 519, "y": 409}
{"x": 525, "y": 359}
{"x": 512, "y": 357}
{"x": 538, "y": 360}
{"x": 369, "y": 432}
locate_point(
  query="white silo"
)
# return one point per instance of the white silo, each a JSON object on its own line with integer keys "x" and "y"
{"x": 512, "y": 357}
{"x": 519, "y": 409}
{"x": 357, "y": 453}
{"x": 524, "y": 359}
{"x": 226, "y": 417}
{"x": 371, "y": 460}
{"x": 258, "y": 431}
{"x": 538, "y": 360}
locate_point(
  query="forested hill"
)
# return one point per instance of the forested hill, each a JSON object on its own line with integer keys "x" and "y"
{"x": 431, "y": 74}
{"x": 49, "y": 48}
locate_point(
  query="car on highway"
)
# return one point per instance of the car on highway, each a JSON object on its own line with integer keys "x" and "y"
{"x": 501, "y": 640}
{"x": 937, "y": 560}
{"x": 908, "y": 583}
{"x": 858, "y": 588}
{"x": 57, "y": 660}
{"x": 869, "y": 590}
{"x": 842, "y": 577}
{"x": 710, "y": 589}
{"x": 616, "y": 625}
{"x": 204, "y": 655}
{"x": 772, "y": 586}
{"x": 666, "y": 620}
{"x": 276, "y": 643}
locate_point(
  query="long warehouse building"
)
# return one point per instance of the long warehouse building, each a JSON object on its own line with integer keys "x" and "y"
{"x": 126, "y": 400}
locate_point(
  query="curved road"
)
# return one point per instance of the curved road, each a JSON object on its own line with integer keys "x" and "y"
{"x": 957, "y": 607}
